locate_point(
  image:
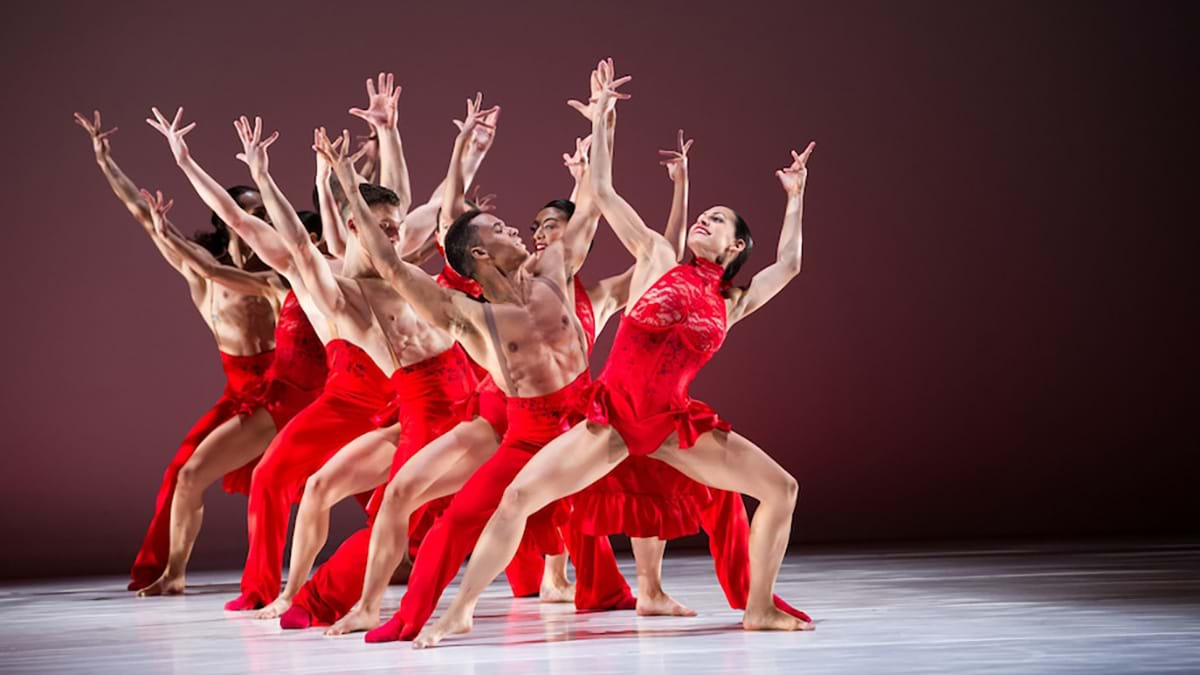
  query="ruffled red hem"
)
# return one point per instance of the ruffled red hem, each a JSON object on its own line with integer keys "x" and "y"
{"x": 602, "y": 513}
{"x": 643, "y": 435}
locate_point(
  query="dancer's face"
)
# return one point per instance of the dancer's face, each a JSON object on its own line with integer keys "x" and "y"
{"x": 712, "y": 235}
{"x": 388, "y": 218}
{"x": 548, "y": 227}
{"x": 499, "y": 242}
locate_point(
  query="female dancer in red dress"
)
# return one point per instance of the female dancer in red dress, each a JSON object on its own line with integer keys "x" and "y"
{"x": 239, "y": 305}
{"x": 639, "y": 406}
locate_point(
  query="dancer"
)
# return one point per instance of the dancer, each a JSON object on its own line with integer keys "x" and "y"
{"x": 652, "y": 502}
{"x": 239, "y": 307}
{"x": 677, "y": 322}
{"x": 529, "y": 341}
{"x": 430, "y": 374}
{"x": 442, "y": 467}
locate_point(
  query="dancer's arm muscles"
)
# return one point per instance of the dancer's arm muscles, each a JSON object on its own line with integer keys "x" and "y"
{"x": 454, "y": 187}
{"x": 581, "y": 228}
{"x": 261, "y": 237}
{"x": 610, "y": 296}
{"x": 381, "y": 115}
{"x": 677, "y": 169}
{"x": 201, "y": 261}
{"x": 332, "y": 225}
{"x": 767, "y": 283}
{"x": 638, "y": 239}
{"x": 313, "y": 267}
{"x": 448, "y": 310}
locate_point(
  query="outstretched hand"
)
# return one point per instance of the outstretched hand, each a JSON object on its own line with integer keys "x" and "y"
{"x": 334, "y": 153}
{"x": 99, "y": 138}
{"x": 172, "y": 131}
{"x": 478, "y": 119}
{"x": 676, "y": 160}
{"x": 577, "y": 163}
{"x": 482, "y": 202}
{"x": 793, "y": 177}
{"x": 254, "y": 146}
{"x": 158, "y": 209}
{"x": 382, "y": 102}
{"x": 604, "y": 91}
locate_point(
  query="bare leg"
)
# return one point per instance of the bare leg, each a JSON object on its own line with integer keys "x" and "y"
{"x": 566, "y": 465}
{"x": 360, "y": 465}
{"x": 652, "y": 600}
{"x": 555, "y": 585}
{"x": 731, "y": 462}
{"x": 437, "y": 470}
{"x": 237, "y": 441}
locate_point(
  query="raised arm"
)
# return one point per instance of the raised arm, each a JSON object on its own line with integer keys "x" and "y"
{"x": 581, "y": 228}
{"x": 199, "y": 260}
{"x": 676, "y": 162}
{"x": 122, "y": 186}
{"x": 454, "y": 188}
{"x": 259, "y": 235}
{"x": 767, "y": 283}
{"x": 641, "y": 241}
{"x": 381, "y": 114}
{"x": 308, "y": 261}
{"x": 442, "y": 307}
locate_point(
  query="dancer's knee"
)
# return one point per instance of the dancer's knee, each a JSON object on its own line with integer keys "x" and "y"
{"x": 188, "y": 480}
{"x": 514, "y": 503}
{"x": 788, "y": 488}
{"x": 318, "y": 491}
{"x": 398, "y": 494}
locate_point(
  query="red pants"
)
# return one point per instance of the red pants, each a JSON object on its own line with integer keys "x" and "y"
{"x": 532, "y": 423}
{"x": 426, "y": 398}
{"x": 244, "y": 382}
{"x": 355, "y": 391}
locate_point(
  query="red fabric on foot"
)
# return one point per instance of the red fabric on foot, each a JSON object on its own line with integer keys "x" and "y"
{"x": 243, "y": 603}
{"x": 295, "y": 618}
{"x": 388, "y": 632}
{"x": 782, "y": 604}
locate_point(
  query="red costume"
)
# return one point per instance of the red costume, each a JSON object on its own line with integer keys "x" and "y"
{"x": 283, "y": 381}
{"x": 662, "y": 343}
{"x": 355, "y": 390}
{"x": 425, "y": 401}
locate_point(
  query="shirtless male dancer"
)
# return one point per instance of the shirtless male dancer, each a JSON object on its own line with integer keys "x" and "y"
{"x": 527, "y": 338}
{"x": 355, "y": 388}
{"x": 442, "y": 467}
{"x": 240, "y": 307}
{"x": 677, "y": 321}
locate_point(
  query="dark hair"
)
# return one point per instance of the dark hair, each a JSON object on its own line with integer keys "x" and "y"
{"x": 740, "y": 231}
{"x": 460, "y": 239}
{"x": 377, "y": 194}
{"x": 312, "y": 222}
{"x": 216, "y": 240}
{"x": 565, "y": 205}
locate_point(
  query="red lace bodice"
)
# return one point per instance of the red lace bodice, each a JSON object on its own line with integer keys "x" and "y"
{"x": 667, "y": 337}
{"x": 299, "y": 354}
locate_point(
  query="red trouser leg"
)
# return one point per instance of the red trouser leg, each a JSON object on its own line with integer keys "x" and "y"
{"x": 728, "y": 528}
{"x": 454, "y": 535}
{"x": 151, "y": 558}
{"x": 599, "y": 584}
{"x": 525, "y": 571}
{"x": 300, "y": 449}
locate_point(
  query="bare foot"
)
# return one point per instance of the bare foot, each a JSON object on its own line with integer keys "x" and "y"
{"x": 275, "y": 609}
{"x": 661, "y": 604}
{"x": 559, "y": 591}
{"x": 357, "y": 620}
{"x": 164, "y": 586}
{"x": 774, "y": 619}
{"x": 449, "y": 624}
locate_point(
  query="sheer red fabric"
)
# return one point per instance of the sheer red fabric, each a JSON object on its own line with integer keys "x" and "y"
{"x": 299, "y": 370}
{"x": 662, "y": 343}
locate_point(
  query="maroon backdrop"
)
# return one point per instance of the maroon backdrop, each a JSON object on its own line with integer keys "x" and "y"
{"x": 991, "y": 335}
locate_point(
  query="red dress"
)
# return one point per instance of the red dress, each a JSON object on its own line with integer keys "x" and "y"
{"x": 245, "y": 382}
{"x": 662, "y": 343}
{"x": 282, "y": 381}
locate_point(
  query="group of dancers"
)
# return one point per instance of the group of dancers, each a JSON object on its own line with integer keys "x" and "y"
{"x": 459, "y": 409}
